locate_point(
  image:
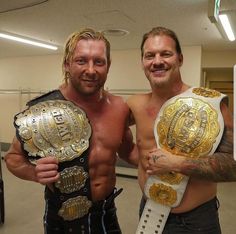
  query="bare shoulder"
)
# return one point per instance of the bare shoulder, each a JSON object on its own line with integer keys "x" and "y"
{"x": 138, "y": 100}
{"x": 115, "y": 98}
{"x": 117, "y": 102}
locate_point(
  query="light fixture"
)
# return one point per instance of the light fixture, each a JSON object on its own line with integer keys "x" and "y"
{"x": 227, "y": 27}
{"x": 115, "y": 32}
{"x": 26, "y": 40}
{"x": 220, "y": 19}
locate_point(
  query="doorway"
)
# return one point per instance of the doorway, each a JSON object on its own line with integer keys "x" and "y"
{"x": 220, "y": 79}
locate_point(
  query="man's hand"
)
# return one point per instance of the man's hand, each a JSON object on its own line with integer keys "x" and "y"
{"x": 46, "y": 170}
{"x": 161, "y": 162}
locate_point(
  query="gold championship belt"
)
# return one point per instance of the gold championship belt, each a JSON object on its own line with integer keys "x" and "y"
{"x": 54, "y": 128}
{"x": 75, "y": 208}
{"x": 191, "y": 125}
{"x": 60, "y": 129}
{"x": 72, "y": 179}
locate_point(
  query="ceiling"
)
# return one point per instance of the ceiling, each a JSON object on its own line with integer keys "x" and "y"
{"x": 53, "y": 20}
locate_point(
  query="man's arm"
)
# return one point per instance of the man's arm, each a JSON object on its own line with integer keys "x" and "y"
{"x": 44, "y": 172}
{"x": 128, "y": 150}
{"x": 18, "y": 164}
{"x": 219, "y": 167}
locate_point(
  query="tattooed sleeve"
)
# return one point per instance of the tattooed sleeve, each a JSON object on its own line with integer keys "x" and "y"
{"x": 219, "y": 167}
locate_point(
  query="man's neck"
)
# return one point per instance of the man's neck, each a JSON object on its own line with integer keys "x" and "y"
{"x": 160, "y": 95}
{"x": 168, "y": 92}
{"x": 88, "y": 101}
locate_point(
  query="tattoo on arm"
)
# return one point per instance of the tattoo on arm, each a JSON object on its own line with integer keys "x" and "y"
{"x": 156, "y": 157}
{"x": 219, "y": 167}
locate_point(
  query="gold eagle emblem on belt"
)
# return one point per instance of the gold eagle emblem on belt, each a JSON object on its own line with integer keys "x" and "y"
{"x": 56, "y": 128}
{"x": 163, "y": 194}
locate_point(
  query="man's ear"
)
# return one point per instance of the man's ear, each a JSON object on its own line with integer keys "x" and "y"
{"x": 181, "y": 59}
{"x": 142, "y": 63}
{"x": 66, "y": 66}
{"x": 108, "y": 65}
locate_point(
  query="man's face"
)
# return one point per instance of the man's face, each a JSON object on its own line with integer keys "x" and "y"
{"x": 88, "y": 67}
{"x": 160, "y": 61}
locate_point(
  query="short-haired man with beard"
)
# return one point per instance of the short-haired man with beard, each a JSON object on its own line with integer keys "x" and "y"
{"x": 185, "y": 144}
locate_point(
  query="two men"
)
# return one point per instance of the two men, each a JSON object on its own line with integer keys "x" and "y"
{"x": 78, "y": 154}
{"x": 86, "y": 64}
{"x": 183, "y": 152}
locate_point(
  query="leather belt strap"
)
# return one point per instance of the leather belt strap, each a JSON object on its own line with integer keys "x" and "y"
{"x": 161, "y": 197}
{"x": 153, "y": 219}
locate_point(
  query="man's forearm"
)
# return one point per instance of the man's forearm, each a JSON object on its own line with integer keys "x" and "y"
{"x": 130, "y": 155}
{"x": 219, "y": 167}
{"x": 20, "y": 167}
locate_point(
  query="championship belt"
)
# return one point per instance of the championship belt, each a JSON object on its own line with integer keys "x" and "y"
{"x": 190, "y": 125}
{"x": 54, "y": 128}
{"x": 75, "y": 208}
{"x": 60, "y": 129}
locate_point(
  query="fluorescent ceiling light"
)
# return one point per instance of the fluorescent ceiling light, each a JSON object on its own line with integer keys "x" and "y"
{"x": 227, "y": 27}
{"x": 27, "y": 41}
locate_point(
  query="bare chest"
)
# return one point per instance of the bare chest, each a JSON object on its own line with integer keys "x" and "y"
{"x": 145, "y": 120}
{"x": 107, "y": 129}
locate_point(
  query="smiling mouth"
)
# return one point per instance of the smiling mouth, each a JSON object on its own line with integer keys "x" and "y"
{"x": 90, "y": 81}
{"x": 159, "y": 71}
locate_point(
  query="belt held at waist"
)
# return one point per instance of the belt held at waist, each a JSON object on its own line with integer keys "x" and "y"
{"x": 79, "y": 206}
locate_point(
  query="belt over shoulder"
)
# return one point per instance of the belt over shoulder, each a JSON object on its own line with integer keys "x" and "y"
{"x": 60, "y": 129}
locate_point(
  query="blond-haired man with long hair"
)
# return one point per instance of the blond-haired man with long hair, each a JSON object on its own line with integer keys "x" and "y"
{"x": 80, "y": 189}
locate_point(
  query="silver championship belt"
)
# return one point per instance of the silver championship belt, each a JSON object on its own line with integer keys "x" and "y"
{"x": 54, "y": 128}
{"x": 191, "y": 125}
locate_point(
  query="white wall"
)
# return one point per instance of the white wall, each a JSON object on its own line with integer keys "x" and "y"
{"x": 126, "y": 71}
{"x": 191, "y": 70}
{"x": 39, "y": 72}
{"x": 219, "y": 59}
